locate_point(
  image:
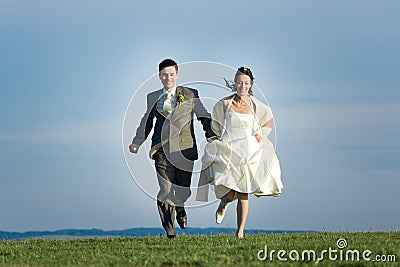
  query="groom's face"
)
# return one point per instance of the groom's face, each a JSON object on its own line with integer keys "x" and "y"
{"x": 168, "y": 77}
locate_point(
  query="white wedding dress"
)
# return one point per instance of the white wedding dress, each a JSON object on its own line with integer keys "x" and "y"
{"x": 238, "y": 161}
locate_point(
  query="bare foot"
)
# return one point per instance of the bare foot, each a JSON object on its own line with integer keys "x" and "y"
{"x": 239, "y": 235}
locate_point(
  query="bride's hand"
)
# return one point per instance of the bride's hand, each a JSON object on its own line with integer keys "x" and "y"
{"x": 258, "y": 137}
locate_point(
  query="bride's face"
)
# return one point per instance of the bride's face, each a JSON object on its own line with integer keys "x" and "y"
{"x": 242, "y": 85}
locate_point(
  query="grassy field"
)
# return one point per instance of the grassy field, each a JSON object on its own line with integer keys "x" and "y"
{"x": 218, "y": 250}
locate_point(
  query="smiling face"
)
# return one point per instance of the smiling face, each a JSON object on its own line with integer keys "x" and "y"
{"x": 168, "y": 77}
{"x": 243, "y": 84}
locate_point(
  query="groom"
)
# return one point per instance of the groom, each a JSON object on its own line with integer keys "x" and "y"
{"x": 173, "y": 144}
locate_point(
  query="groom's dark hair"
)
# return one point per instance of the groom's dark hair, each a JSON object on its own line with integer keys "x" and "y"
{"x": 167, "y": 63}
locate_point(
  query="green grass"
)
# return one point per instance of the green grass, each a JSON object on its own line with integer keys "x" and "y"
{"x": 218, "y": 250}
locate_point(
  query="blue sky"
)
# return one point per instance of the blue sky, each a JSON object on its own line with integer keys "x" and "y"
{"x": 68, "y": 70}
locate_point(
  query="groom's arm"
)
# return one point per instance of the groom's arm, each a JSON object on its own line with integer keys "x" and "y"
{"x": 145, "y": 126}
{"x": 202, "y": 115}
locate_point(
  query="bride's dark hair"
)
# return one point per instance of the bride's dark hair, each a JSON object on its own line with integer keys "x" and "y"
{"x": 241, "y": 71}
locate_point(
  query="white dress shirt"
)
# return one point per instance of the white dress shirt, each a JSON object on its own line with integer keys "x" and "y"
{"x": 168, "y": 101}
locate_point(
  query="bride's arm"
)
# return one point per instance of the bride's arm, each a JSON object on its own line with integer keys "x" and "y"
{"x": 268, "y": 123}
{"x": 266, "y": 129}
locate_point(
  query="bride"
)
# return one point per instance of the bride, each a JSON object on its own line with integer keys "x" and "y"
{"x": 242, "y": 160}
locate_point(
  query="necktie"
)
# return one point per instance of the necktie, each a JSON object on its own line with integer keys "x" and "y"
{"x": 167, "y": 104}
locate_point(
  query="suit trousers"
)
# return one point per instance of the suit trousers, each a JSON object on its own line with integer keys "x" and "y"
{"x": 174, "y": 190}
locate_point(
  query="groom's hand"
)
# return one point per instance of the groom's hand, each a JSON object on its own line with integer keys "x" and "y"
{"x": 133, "y": 148}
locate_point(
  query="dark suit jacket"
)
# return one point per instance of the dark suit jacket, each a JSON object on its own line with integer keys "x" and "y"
{"x": 175, "y": 133}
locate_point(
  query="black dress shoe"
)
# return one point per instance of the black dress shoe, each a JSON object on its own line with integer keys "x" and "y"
{"x": 182, "y": 221}
{"x": 181, "y": 217}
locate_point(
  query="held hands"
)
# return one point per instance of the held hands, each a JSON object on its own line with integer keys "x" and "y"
{"x": 133, "y": 148}
{"x": 212, "y": 139}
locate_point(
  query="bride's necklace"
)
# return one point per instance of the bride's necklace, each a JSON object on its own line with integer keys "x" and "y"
{"x": 242, "y": 101}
